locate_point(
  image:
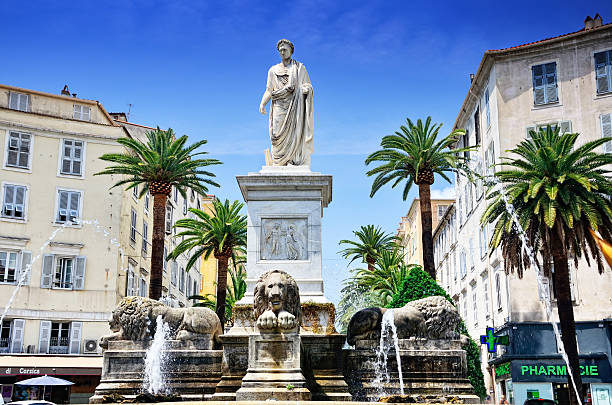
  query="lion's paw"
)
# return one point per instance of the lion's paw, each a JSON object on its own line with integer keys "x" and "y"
{"x": 286, "y": 320}
{"x": 267, "y": 320}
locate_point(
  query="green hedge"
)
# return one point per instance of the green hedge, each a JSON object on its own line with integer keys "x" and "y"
{"x": 419, "y": 285}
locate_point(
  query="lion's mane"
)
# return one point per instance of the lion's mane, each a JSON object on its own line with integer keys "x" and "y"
{"x": 291, "y": 302}
{"x": 135, "y": 315}
{"x": 441, "y": 317}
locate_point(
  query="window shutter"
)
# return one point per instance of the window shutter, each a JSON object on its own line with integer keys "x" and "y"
{"x": 23, "y": 102}
{"x": 14, "y": 101}
{"x": 47, "y": 272}
{"x": 44, "y": 337}
{"x": 24, "y": 271}
{"x": 606, "y": 131}
{"x": 17, "y": 338}
{"x": 565, "y": 127}
{"x": 543, "y": 288}
{"x": 75, "y": 337}
{"x": 130, "y": 283}
{"x": 551, "y": 82}
{"x": 602, "y": 72}
{"x": 79, "y": 274}
{"x": 539, "y": 93}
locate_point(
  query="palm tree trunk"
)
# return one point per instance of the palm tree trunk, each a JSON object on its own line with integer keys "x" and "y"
{"x": 157, "y": 246}
{"x": 566, "y": 313}
{"x": 371, "y": 263}
{"x": 426, "y": 231}
{"x": 221, "y": 288}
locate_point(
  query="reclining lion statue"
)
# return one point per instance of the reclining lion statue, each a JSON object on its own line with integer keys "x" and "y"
{"x": 277, "y": 301}
{"x": 135, "y": 318}
{"x": 431, "y": 318}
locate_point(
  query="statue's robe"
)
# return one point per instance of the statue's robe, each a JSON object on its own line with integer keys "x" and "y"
{"x": 291, "y": 116}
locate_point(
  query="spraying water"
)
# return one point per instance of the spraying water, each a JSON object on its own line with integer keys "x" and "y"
{"x": 156, "y": 359}
{"x": 388, "y": 340}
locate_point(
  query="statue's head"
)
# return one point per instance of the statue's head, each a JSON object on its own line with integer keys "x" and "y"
{"x": 285, "y": 48}
{"x": 276, "y": 290}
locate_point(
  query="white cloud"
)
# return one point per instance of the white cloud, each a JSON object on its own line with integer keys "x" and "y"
{"x": 445, "y": 193}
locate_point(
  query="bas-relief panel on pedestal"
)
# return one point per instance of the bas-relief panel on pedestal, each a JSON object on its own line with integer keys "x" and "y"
{"x": 284, "y": 239}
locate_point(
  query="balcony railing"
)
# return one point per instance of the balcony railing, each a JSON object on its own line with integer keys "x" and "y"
{"x": 59, "y": 345}
{"x": 5, "y": 345}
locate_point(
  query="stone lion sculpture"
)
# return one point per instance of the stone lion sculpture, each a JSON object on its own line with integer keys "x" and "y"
{"x": 277, "y": 301}
{"x": 135, "y": 319}
{"x": 431, "y": 318}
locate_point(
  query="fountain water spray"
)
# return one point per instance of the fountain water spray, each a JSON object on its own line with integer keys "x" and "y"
{"x": 156, "y": 359}
{"x": 388, "y": 338}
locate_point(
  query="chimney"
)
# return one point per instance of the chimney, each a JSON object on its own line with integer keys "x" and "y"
{"x": 471, "y": 77}
{"x": 65, "y": 91}
{"x": 590, "y": 23}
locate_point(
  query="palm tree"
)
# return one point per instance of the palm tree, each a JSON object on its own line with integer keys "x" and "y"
{"x": 385, "y": 280}
{"x": 160, "y": 163}
{"x": 371, "y": 241}
{"x": 414, "y": 155}
{"x": 218, "y": 234}
{"x": 558, "y": 194}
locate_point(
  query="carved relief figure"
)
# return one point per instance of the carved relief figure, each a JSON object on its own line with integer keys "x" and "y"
{"x": 277, "y": 301}
{"x": 273, "y": 239}
{"x": 294, "y": 245}
{"x": 291, "y": 116}
{"x": 284, "y": 239}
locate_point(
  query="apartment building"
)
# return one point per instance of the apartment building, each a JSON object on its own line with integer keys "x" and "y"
{"x": 409, "y": 229}
{"x": 564, "y": 81}
{"x": 77, "y": 245}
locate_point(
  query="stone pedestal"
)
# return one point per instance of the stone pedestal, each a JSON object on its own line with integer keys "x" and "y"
{"x": 274, "y": 371}
{"x": 192, "y": 372}
{"x": 285, "y": 205}
{"x": 429, "y": 367}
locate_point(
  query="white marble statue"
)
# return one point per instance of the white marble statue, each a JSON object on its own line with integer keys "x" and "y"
{"x": 291, "y": 115}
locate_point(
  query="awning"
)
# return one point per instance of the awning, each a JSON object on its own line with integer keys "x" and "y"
{"x": 50, "y": 365}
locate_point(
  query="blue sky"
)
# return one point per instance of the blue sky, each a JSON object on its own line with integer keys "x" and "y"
{"x": 200, "y": 68}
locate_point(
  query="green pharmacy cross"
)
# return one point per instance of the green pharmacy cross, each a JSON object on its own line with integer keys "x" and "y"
{"x": 492, "y": 340}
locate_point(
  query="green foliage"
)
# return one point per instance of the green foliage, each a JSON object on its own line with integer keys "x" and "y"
{"x": 556, "y": 188}
{"x": 418, "y": 284}
{"x": 371, "y": 241}
{"x": 413, "y": 154}
{"x": 354, "y": 298}
{"x": 162, "y": 159}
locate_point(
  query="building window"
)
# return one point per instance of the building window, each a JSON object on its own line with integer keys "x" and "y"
{"x": 18, "y": 150}
{"x": 485, "y": 288}
{"x": 463, "y": 259}
{"x": 483, "y": 242}
{"x": 487, "y": 107}
{"x": 477, "y": 126}
{"x": 606, "y": 131}
{"x": 490, "y": 159}
{"x": 545, "y": 83}
{"x": 8, "y": 267}
{"x": 145, "y": 236}
{"x": 60, "y": 338}
{"x": 603, "y": 71}
{"x": 471, "y": 242}
{"x": 441, "y": 210}
{"x": 564, "y": 127}
{"x": 143, "y": 287}
{"x": 189, "y": 294}
{"x": 13, "y": 205}
{"x": 182, "y": 281}
{"x": 173, "y": 273}
{"x": 81, "y": 112}
{"x": 184, "y": 206}
{"x": 68, "y": 206}
{"x": 168, "y": 218}
{"x": 135, "y": 191}
{"x": 19, "y": 101}
{"x": 63, "y": 272}
{"x": 175, "y": 190}
{"x": 475, "y": 305}
{"x": 72, "y": 157}
{"x": 130, "y": 287}
{"x": 147, "y": 199}
{"x": 165, "y": 262}
{"x": 5, "y": 336}
{"x": 498, "y": 290}
{"x": 464, "y": 304}
{"x": 133, "y": 226}
{"x": 466, "y": 144}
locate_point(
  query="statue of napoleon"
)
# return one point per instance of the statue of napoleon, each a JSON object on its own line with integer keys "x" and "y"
{"x": 291, "y": 116}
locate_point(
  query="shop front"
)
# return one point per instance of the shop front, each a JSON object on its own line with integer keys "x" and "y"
{"x": 520, "y": 380}
{"x": 83, "y": 371}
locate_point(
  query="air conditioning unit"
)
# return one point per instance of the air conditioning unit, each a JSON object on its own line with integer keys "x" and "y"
{"x": 90, "y": 346}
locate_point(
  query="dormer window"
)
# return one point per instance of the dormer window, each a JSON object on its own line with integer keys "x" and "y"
{"x": 81, "y": 112}
{"x": 19, "y": 101}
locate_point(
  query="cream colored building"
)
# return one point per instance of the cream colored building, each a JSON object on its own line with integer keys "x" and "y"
{"x": 88, "y": 245}
{"x": 564, "y": 81}
{"x": 409, "y": 229}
